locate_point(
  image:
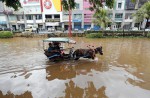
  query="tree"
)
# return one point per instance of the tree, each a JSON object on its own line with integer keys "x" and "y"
{"x": 12, "y": 3}
{"x": 69, "y": 5}
{"x": 101, "y": 18}
{"x": 143, "y": 13}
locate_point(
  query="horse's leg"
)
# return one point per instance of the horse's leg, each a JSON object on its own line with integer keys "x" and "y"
{"x": 75, "y": 55}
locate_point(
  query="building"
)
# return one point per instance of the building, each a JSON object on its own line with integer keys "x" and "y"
{"x": 5, "y": 16}
{"x": 49, "y": 14}
{"x": 43, "y": 13}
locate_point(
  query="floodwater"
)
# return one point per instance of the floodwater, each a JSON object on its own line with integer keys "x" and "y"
{"x": 122, "y": 72}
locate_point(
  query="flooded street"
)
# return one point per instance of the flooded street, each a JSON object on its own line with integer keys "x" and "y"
{"x": 122, "y": 72}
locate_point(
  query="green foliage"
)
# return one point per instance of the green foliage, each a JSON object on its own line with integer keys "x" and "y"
{"x": 17, "y": 31}
{"x": 12, "y": 3}
{"x": 101, "y": 17}
{"x": 66, "y": 3}
{"x": 99, "y": 3}
{"x": 94, "y": 35}
{"x": 119, "y": 33}
{"x": 6, "y": 34}
{"x": 148, "y": 35}
{"x": 143, "y": 12}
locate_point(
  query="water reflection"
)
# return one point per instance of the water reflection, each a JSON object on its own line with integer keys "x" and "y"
{"x": 10, "y": 95}
{"x": 68, "y": 70}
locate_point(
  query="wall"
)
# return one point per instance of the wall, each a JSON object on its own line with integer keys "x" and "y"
{"x": 87, "y": 13}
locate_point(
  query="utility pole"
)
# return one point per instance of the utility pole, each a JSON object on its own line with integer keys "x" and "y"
{"x": 70, "y": 34}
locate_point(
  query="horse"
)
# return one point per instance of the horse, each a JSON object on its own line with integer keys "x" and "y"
{"x": 87, "y": 53}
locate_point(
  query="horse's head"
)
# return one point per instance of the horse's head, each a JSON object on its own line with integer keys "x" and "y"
{"x": 99, "y": 50}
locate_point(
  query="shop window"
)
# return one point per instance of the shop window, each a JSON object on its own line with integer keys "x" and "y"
{"x": 118, "y": 15}
{"x": 29, "y": 17}
{"x": 57, "y": 16}
{"x": 38, "y": 17}
{"x": 77, "y": 6}
{"x": 48, "y": 16}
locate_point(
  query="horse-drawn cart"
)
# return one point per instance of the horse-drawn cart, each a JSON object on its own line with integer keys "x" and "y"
{"x": 59, "y": 54}
{"x": 63, "y": 53}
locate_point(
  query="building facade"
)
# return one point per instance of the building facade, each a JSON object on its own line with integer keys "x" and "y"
{"x": 49, "y": 14}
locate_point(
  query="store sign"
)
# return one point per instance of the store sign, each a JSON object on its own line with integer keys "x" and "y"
{"x": 30, "y": 1}
{"x": 47, "y": 4}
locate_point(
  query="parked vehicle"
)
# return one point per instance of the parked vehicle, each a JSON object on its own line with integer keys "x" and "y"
{"x": 133, "y": 29}
{"x": 1, "y": 29}
{"x": 88, "y": 29}
{"x": 7, "y": 29}
{"x": 31, "y": 28}
{"x": 52, "y": 29}
{"x": 147, "y": 29}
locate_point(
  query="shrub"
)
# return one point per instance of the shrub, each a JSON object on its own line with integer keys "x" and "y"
{"x": 94, "y": 35}
{"x": 148, "y": 35}
{"x": 17, "y": 31}
{"x": 6, "y": 34}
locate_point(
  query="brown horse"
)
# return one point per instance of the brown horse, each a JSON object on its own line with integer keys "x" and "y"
{"x": 87, "y": 53}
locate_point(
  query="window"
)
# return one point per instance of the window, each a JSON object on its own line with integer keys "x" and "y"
{"x": 77, "y": 6}
{"x": 38, "y": 17}
{"x": 57, "y": 16}
{"x": 77, "y": 16}
{"x": 119, "y": 5}
{"x": 19, "y": 17}
{"x": 48, "y": 16}
{"x": 118, "y": 15}
{"x": 110, "y": 15}
{"x": 29, "y": 17}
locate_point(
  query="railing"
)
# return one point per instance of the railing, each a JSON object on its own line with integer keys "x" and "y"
{"x": 118, "y": 19}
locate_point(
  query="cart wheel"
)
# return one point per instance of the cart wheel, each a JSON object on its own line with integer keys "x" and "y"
{"x": 75, "y": 57}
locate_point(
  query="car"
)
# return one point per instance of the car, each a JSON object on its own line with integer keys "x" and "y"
{"x": 1, "y": 29}
{"x": 108, "y": 28}
{"x": 88, "y": 29}
{"x": 31, "y": 28}
{"x": 76, "y": 29}
{"x": 52, "y": 29}
{"x": 134, "y": 29}
{"x": 147, "y": 29}
{"x": 7, "y": 29}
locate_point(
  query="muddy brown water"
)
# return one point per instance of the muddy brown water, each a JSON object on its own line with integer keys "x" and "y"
{"x": 122, "y": 72}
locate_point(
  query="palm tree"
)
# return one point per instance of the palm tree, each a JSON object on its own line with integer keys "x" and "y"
{"x": 99, "y": 3}
{"x": 143, "y": 13}
{"x": 69, "y": 5}
{"x": 101, "y": 18}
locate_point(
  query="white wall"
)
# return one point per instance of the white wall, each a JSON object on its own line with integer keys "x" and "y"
{"x": 123, "y": 4}
{"x": 80, "y": 4}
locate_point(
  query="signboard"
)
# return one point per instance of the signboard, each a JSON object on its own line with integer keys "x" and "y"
{"x": 47, "y": 4}
{"x": 30, "y": 1}
{"x": 51, "y": 6}
{"x": 32, "y": 9}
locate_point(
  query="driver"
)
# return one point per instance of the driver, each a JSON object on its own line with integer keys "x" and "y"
{"x": 57, "y": 48}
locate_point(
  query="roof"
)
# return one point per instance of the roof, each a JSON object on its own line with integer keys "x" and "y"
{"x": 59, "y": 39}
